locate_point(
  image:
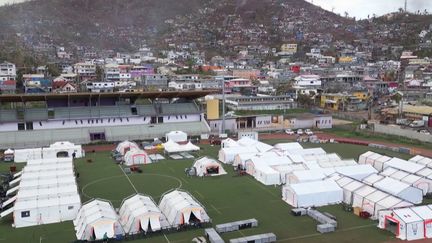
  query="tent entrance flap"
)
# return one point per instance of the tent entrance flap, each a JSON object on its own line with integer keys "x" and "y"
{"x": 211, "y": 170}
{"x": 391, "y": 225}
{"x": 197, "y": 214}
{"x": 186, "y": 216}
{"x": 155, "y": 223}
{"x": 144, "y": 223}
{"x": 6, "y": 212}
{"x": 103, "y": 231}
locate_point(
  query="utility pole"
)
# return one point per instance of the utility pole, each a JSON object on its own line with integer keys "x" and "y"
{"x": 406, "y": 5}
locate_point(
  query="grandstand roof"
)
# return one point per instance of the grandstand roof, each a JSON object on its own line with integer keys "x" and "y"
{"x": 132, "y": 95}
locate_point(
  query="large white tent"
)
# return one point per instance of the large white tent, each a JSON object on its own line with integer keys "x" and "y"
{"x": 206, "y": 166}
{"x": 97, "y": 220}
{"x": 176, "y": 136}
{"x": 370, "y": 201}
{"x": 374, "y": 159}
{"x": 227, "y": 155}
{"x": 349, "y": 189}
{"x": 173, "y": 147}
{"x": 229, "y": 143}
{"x": 358, "y": 172}
{"x": 288, "y": 146}
{"x": 140, "y": 213}
{"x": 181, "y": 208}
{"x": 125, "y": 146}
{"x": 136, "y": 157}
{"x": 62, "y": 149}
{"x": 389, "y": 203}
{"x": 308, "y": 175}
{"x": 404, "y": 165}
{"x": 360, "y": 194}
{"x": 418, "y": 159}
{"x": 22, "y": 155}
{"x": 400, "y": 189}
{"x": 404, "y": 223}
{"x": 372, "y": 179}
{"x": 312, "y": 194}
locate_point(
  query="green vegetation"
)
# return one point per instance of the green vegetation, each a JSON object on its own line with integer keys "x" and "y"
{"x": 226, "y": 198}
{"x": 272, "y": 112}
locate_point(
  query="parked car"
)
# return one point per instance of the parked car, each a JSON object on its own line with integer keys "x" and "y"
{"x": 418, "y": 123}
{"x": 424, "y": 132}
{"x": 289, "y": 131}
{"x": 308, "y": 132}
{"x": 300, "y": 132}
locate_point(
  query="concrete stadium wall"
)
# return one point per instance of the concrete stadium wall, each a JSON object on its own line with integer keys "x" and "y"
{"x": 397, "y": 131}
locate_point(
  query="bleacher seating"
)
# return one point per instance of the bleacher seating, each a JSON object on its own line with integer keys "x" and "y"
{"x": 36, "y": 114}
{"x": 146, "y": 110}
{"x": 179, "y": 108}
{"x": 8, "y": 115}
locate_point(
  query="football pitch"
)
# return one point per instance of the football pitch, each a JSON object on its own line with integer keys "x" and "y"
{"x": 226, "y": 198}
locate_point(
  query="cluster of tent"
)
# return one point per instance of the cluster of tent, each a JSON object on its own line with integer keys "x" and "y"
{"x": 55, "y": 150}
{"x": 174, "y": 147}
{"x": 44, "y": 192}
{"x": 97, "y": 219}
{"x": 132, "y": 154}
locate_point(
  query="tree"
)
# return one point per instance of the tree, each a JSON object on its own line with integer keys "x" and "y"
{"x": 53, "y": 70}
{"x": 305, "y": 100}
{"x": 99, "y": 73}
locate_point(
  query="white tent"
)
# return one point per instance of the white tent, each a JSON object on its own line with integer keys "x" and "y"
{"x": 62, "y": 149}
{"x": 173, "y": 147}
{"x": 389, "y": 203}
{"x": 264, "y": 174}
{"x": 425, "y": 212}
{"x": 140, "y": 213}
{"x": 374, "y": 159}
{"x": 176, "y": 136}
{"x": 136, "y": 157}
{"x": 307, "y": 176}
{"x": 259, "y": 146}
{"x": 206, "y": 166}
{"x": 389, "y": 171}
{"x": 22, "y": 155}
{"x": 240, "y": 159}
{"x": 288, "y": 146}
{"x": 404, "y": 165}
{"x": 418, "y": 159}
{"x": 342, "y": 180}
{"x": 97, "y": 220}
{"x": 426, "y": 172}
{"x": 227, "y": 155}
{"x": 310, "y": 194}
{"x": 404, "y": 223}
{"x": 229, "y": 143}
{"x": 370, "y": 201}
{"x": 125, "y": 146}
{"x": 349, "y": 189}
{"x": 181, "y": 208}
{"x": 421, "y": 183}
{"x": 358, "y": 172}
{"x": 49, "y": 161}
{"x": 372, "y": 179}
{"x": 400, "y": 189}
{"x": 360, "y": 194}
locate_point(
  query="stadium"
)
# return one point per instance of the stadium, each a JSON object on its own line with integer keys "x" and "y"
{"x": 83, "y": 118}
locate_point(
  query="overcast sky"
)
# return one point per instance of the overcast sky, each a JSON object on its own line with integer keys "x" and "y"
{"x": 363, "y": 8}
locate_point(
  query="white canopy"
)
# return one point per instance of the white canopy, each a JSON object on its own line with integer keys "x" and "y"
{"x": 400, "y": 189}
{"x": 358, "y": 172}
{"x": 173, "y": 147}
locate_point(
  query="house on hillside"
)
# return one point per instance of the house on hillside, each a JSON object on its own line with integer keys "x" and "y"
{"x": 63, "y": 87}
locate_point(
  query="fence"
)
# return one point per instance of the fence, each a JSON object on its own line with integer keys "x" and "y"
{"x": 397, "y": 131}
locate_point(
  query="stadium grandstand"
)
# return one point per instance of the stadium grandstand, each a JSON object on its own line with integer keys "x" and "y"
{"x": 41, "y": 119}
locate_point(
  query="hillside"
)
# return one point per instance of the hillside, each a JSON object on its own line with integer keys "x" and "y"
{"x": 125, "y": 24}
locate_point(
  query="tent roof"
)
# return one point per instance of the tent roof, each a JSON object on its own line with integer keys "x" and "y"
{"x": 391, "y": 185}
{"x": 423, "y": 211}
{"x": 407, "y": 215}
{"x": 373, "y": 178}
{"x": 389, "y": 171}
{"x": 390, "y": 201}
{"x": 315, "y": 187}
{"x": 356, "y": 170}
{"x": 288, "y": 146}
{"x": 354, "y": 185}
{"x": 404, "y": 165}
{"x": 377, "y": 196}
{"x": 344, "y": 181}
{"x": 365, "y": 190}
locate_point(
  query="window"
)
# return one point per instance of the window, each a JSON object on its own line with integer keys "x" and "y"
{"x": 25, "y": 214}
{"x": 29, "y": 125}
{"x": 70, "y": 207}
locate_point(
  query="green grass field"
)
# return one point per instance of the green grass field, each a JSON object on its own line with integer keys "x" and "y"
{"x": 226, "y": 198}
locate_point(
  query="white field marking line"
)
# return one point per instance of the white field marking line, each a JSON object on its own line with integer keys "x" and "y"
{"x": 184, "y": 180}
{"x": 219, "y": 212}
{"x": 263, "y": 187}
{"x": 318, "y": 234}
{"x": 133, "y": 186}
{"x": 112, "y": 177}
{"x": 200, "y": 194}
{"x": 166, "y": 238}
{"x": 241, "y": 233}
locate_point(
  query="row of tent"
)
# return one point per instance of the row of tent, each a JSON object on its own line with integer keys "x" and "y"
{"x": 98, "y": 220}
{"x": 44, "y": 192}
{"x": 55, "y": 150}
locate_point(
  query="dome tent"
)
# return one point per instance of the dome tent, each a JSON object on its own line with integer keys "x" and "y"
{"x": 136, "y": 157}
{"x": 207, "y": 166}
{"x": 125, "y": 146}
